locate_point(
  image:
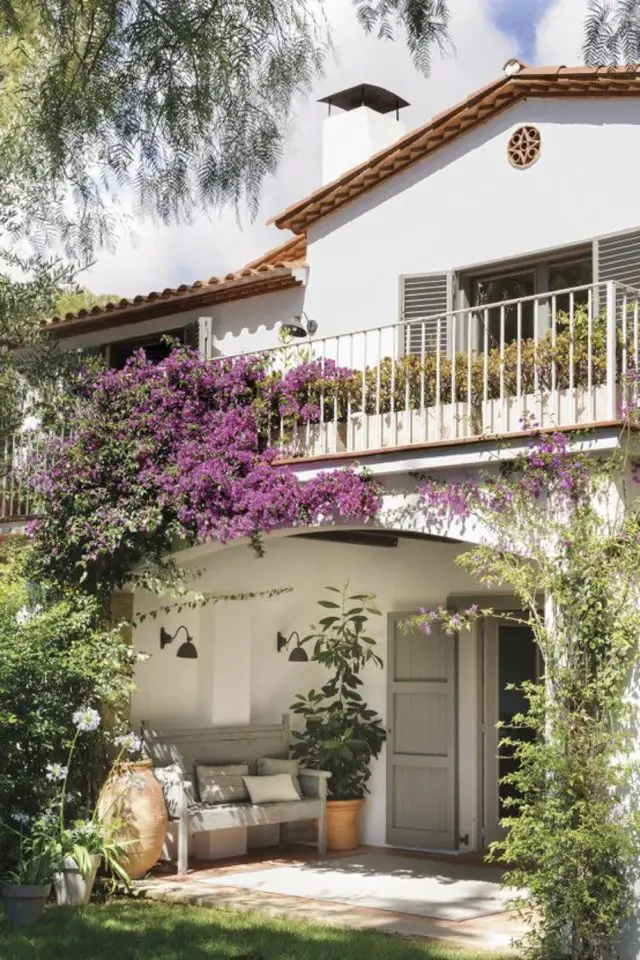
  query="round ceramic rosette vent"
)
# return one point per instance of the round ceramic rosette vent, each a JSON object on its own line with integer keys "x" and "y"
{"x": 524, "y": 146}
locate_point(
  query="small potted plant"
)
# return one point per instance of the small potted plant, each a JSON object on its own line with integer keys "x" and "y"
{"x": 86, "y": 842}
{"x": 341, "y": 734}
{"x": 84, "y": 845}
{"x": 27, "y": 886}
{"x": 52, "y": 849}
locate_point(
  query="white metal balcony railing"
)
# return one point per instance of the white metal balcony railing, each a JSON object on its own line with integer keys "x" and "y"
{"x": 555, "y": 359}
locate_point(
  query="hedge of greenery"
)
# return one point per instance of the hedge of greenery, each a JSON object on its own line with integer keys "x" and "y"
{"x": 56, "y": 656}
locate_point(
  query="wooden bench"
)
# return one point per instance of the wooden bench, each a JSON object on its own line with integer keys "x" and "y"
{"x": 225, "y": 745}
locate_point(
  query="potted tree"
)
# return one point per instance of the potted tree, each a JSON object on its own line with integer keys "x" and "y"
{"x": 341, "y": 733}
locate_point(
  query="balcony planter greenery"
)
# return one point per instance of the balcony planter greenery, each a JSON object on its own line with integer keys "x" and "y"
{"x": 341, "y": 734}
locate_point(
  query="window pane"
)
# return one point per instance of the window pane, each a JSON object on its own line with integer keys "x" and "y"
{"x": 155, "y": 348}
{"x": 573, "y": 273}
{"x": 513, "y": 287}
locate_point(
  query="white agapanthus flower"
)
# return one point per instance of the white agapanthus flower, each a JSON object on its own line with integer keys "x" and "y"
{"x": 56, "y": 771}
{"x": 25, "y": 614}
{"x": 129, "y": 742}
{"x": 86, "y": 719}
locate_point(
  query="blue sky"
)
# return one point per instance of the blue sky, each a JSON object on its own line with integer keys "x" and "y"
{"x": 519, "y": 18}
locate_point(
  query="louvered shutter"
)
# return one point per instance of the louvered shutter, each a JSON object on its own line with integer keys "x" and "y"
{"x": 618, "y": 258}
{"x": 423, "y": 299}
{"x": 190, "y": 336}
{"x": 199, "y": 336}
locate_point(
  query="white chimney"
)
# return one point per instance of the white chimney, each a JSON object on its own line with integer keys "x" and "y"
{"x": 369, "y": 121}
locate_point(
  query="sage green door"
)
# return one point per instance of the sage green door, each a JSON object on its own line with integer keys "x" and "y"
{"x": 421, "y": 746}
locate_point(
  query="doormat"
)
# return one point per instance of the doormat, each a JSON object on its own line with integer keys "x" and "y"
{"x": 379, "y": 881}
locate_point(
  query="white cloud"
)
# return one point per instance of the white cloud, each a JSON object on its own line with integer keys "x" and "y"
{"x": 168, "y": 256}
{"x": 559, "y": 33}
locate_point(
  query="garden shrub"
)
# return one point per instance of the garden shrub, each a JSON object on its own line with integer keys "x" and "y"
{"x": 55, "y": 658}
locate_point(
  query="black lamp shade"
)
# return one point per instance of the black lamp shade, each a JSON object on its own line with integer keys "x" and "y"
{"x": 298, "y": 655}
{"x": 187, "y": 650}
{"x": 295, "y": 327}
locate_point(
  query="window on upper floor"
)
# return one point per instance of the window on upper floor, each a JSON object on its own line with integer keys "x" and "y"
{"x": 518, "y": 318}
{"x": 527, "y": 282}
{"x": 571, "y": 273}
{"x": 155, "y": 347}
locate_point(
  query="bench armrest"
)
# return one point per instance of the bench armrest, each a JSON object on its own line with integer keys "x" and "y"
{"x": 314, "y": 782}
{"x": 186, "y": 792}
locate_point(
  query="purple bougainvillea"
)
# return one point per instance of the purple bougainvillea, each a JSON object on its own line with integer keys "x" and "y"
{"x": 177, "y": 451}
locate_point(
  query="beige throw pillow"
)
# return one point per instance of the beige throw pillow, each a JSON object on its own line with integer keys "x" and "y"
{"x": 278, "y": 788}
{"x": 267, "y": 766}
{"x": 222, "y": 784}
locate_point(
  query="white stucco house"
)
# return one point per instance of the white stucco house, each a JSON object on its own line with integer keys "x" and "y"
{"x": 506, "y": 223}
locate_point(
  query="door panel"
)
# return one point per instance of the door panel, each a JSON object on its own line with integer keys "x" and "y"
{"x": 421, "y": 749}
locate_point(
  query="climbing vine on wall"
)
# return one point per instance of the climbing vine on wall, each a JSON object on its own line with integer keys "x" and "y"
{"x": 174, "y": 453}
{"x": 566, "y": 526}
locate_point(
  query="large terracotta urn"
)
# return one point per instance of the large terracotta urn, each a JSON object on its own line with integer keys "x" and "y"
{"x": 343, "y": 823}
{"x": 133, "y": 798}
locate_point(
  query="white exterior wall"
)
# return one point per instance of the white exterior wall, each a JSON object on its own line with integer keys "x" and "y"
{"x": 240, "y": 325}
{"x": 239, "y": 676}
{"x": 464, "y": 206}
{"x": 467, "y": 205}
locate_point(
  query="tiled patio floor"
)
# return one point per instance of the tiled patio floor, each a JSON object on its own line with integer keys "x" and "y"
{"x": 494, "y": 932}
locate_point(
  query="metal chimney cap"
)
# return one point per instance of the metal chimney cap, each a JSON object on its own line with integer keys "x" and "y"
{"x": 365, "y": 95}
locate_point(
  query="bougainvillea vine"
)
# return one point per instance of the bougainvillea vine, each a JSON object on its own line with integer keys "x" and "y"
{"x": 176, "y": 452}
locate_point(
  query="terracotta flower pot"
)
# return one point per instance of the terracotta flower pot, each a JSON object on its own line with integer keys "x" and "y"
{"x": 343, "y": 823}
{"x": 133, "y": 797}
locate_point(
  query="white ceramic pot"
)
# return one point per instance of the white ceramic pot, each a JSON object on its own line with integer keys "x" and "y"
{"x": 70, "y": 886}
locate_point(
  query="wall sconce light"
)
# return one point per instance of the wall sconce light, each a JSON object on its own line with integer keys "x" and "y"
{"x": 186, "y": 650}
{"x": 298, "y": 654}
{"x": 300, "y": 326}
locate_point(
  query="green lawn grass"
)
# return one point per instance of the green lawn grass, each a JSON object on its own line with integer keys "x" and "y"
{"x": 141, "y": 930}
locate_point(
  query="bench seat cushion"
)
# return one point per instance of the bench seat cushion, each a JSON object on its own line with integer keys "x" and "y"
{"x": 224, "y": 816}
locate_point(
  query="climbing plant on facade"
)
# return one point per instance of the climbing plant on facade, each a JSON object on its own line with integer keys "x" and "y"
{"x": 564, "y": 526}
{"x": 174, "y": 453}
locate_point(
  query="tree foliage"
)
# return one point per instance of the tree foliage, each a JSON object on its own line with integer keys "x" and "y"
{"x": 183, "y": 102}
{"x": 32, "y": 367}
{"x": 73, "y": 298}
{"x": 612, "y": 33}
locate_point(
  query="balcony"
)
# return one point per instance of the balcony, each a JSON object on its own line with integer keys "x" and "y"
{"x": 560, "y": 359}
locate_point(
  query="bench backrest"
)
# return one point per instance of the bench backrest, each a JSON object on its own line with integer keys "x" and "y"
{"x": 216, "y": 745}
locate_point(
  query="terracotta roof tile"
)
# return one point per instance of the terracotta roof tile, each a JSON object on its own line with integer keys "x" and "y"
{"x": 272, "y": 271}
{"x": 477, "y": 108}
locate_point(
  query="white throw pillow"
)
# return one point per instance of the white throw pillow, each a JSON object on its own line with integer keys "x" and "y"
{"x": 276, "y": 789}
{"x": 267, "y": 766}
{"x": 222, "y": 784}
